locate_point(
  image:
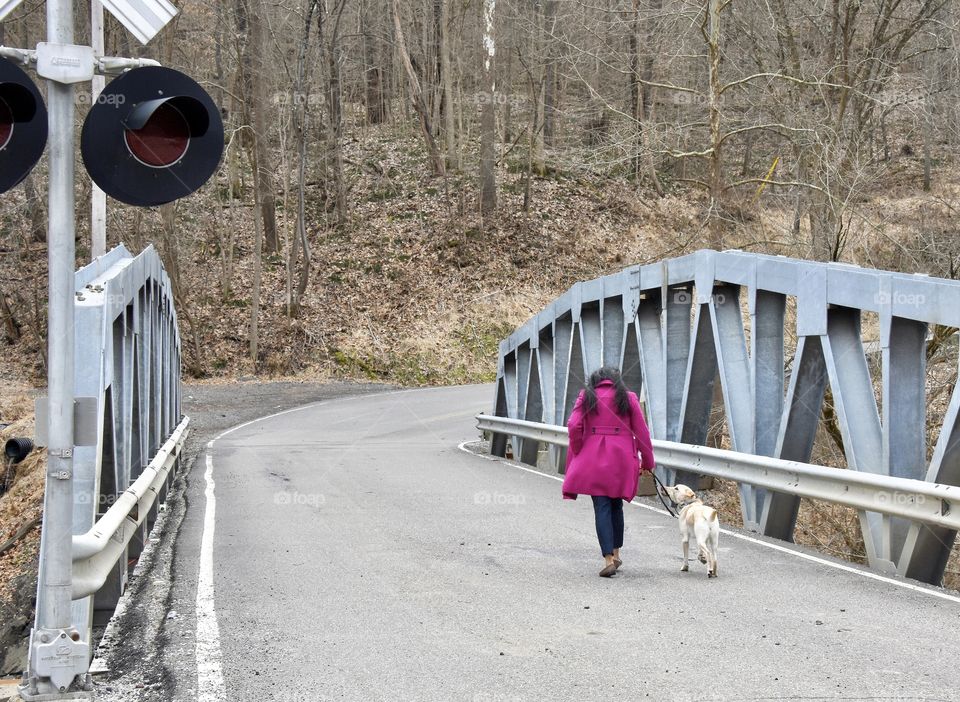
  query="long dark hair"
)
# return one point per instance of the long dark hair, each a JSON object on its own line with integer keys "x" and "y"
{"x": 612, "y": 374}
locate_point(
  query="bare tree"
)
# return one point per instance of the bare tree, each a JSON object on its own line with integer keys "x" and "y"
{"x": 302, "y": 116}
{"x": 416, "y": 95}
{"x": 488, "y": 126}
{"x": 641, "y": 102}
{"x": 550, "y": 79}
{"x": 254, "y": 80}
{"x": 446, "y": 69}
{"x": 334, "y": 60}
{"x": 374, "y": 95}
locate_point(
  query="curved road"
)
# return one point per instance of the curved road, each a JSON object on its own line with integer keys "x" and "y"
{"x": 352, "y": 551}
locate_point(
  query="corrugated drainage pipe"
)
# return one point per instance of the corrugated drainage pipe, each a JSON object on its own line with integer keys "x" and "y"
{"x": 17, "y": 449}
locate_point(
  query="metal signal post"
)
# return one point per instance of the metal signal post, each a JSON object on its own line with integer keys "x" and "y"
{"x": 56, "y": 653}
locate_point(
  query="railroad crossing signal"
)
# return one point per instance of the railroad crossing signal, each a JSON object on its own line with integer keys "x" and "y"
{"x": 153, "y": 136}
{"x": 23, "y": 125}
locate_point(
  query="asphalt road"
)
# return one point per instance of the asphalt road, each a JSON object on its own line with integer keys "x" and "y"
{"x": 359, "y": 554}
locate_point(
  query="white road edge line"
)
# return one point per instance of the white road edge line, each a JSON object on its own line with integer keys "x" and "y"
{"x": 210, "y": 687}
{"x": 744, "y": 537}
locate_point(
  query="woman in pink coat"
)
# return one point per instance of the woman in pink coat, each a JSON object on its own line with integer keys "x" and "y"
{"x": 607, "y": 431}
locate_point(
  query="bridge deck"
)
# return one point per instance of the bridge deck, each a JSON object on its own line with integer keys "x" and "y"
{"x": 358, "y": 554}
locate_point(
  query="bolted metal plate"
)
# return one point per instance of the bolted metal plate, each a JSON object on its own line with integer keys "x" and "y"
{"x": 65, "y": 63}
{"x": 61, "y": 659}
{"x": 85, "y": 421}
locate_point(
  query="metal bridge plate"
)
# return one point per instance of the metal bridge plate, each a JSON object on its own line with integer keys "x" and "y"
{"x": 85, "y": 422}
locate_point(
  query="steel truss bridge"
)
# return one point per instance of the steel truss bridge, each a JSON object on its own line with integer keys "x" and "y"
{"x": 679, "y": 327}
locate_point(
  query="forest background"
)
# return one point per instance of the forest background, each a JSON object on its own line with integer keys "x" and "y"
{"x": 406, "y": 181}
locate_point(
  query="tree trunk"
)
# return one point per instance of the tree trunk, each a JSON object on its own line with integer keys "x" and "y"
{"x": 527, "y": 185}
{"x": 265, "y": 165}
{"x": 716, "y": 157}
{"x": 250, "y": 28}
{"x": 227, "y": 248}
{"x": 373, "y": 69}
{"x": 538, "y": 88}
{"x": 646, "y": 71}
{"x": 335, "y": 115}
{"x": 636, "y": 96}
{"x": 450, "y": 133}
{"x": 257, "y": 275}
{"x": 747, "y": 163}
{"x": 488, "y": 121}
{"x": 508, "y": 102}
{"x": 651, "y": 165}
{"x": 550, "y": 74}
{"x": 221, "y": 34}
{"x": 170, "y": 255}
{"x": 824, "y": 228}
{"x": 10, "y": 324}
{"x": 416, "y": 95}
{"x": 434, "y": 67}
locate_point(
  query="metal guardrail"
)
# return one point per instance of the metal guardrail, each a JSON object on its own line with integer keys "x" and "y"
{"x": 96, "y": 553}
{"x": 767, "y": 340}
{"x": 128, "y": 428}
{"x": 128, "y": 364}
{"x": 916, "y": 500}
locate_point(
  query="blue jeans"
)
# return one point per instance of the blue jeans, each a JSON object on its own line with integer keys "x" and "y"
{"x": 609, "y": 514}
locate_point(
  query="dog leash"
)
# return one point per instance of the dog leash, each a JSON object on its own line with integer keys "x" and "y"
{"x": 660, "y": 495}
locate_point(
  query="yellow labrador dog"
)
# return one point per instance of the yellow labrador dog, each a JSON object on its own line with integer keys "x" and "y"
{"x": 702, "y": 521}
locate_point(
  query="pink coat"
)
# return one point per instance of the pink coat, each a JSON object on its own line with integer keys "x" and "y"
{"x": 602, "y": 458}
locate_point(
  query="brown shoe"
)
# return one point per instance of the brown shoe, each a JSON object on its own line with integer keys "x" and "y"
{"x": 617, "y": 562}
{"x": 608, "y": 570}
